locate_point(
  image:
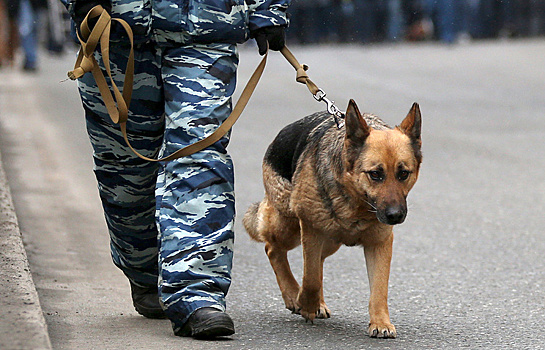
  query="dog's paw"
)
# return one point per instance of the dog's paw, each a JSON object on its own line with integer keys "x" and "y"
{"x": 323, "y": 312}
{"x": 384, "y": 330}
{"x": 308, "y": 305}
{"x": 291, "y": 305}
{"x": 290, "y": 300}
{"x": 307, "y": 315}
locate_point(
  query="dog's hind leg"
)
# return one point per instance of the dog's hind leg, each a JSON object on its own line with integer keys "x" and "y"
{"x": 278, "y": 257}
{"x": 329, "y": 248}
{"x": 280, "y": 234}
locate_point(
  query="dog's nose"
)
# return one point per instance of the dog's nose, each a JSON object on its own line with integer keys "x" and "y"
{"x": 395, "y": 215}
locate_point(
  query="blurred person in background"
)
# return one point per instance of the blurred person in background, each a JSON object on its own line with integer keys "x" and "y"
{"x": 3, "y": 32}
{"x": 531, "y": 17}
{"x": 445, "y": 16}
{"x": 28, "y": 24}
{"x": 449, "y": 21}
{"x": 57, "y": 27}
{"x": 312, "y": 21}
{"x": 9, "y": 33}
{"x": 395, "y": 19}
{"x": 494, "y": 18}
{"x": 23, "y": 18}
{"x": 371, "y": 19}
{"x": 345, "y": 20}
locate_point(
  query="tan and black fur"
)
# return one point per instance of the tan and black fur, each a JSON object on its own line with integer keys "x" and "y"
{"x": 325, "y": 187}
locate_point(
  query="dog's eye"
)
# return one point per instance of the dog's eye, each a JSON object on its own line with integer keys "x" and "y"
{"x": 376, "y": 175}
{"x": 403, "y": 175}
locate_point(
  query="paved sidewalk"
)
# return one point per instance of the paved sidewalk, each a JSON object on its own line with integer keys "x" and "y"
{"x": 22, "y": 324}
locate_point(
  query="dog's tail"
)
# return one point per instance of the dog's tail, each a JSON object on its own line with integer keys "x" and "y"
{"x": 250, "y": 222}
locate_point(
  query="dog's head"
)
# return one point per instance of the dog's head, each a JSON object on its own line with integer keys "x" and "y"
{"x": 382, "y": 165}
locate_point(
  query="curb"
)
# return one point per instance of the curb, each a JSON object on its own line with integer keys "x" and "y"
{"x": 22, "y": 324}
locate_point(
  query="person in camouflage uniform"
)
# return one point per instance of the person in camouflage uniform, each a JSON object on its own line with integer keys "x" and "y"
{"x": 171, "y": 223}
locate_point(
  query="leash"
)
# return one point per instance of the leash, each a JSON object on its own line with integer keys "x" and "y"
{"x": 118, "y": 104}
{"x": 318, "y": 94}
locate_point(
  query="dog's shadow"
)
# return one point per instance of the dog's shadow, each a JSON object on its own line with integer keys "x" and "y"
{"x": 280, "y": 329}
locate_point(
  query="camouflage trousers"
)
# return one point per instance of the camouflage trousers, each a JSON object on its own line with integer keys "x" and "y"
{"x": 170, "y": 224}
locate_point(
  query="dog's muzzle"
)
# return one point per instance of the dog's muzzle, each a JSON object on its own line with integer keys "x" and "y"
{"x": 392, "y": 215}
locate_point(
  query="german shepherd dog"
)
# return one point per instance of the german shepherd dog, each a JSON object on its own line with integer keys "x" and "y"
{"x": 325, "y": 187}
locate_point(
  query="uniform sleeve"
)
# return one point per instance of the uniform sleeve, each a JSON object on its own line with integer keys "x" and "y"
{"x": 267, "y": 13}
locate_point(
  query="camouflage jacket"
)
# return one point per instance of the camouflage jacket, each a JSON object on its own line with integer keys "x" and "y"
{"x": 200, "y": 21}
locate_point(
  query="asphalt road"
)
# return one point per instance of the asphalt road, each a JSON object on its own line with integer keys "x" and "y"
{"x": 468, "y": 268}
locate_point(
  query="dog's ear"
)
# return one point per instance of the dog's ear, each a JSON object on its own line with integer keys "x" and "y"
{"x": 412, "y": 124}
{"x": 357, "y": 129}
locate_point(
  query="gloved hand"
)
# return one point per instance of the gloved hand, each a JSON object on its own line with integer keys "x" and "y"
{"x": 275, "y": 37}
{"x": 82, "y": 8}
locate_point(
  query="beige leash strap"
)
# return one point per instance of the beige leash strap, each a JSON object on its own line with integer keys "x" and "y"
{"x": 301, "y": 69}
{"x": 222, "y": 129}
{"x": 318, "y": 94}
{"x": 118, "y": 109}
{"x": 118, "y": 104}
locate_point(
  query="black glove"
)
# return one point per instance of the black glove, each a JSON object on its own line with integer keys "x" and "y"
{"x": 274, "y": 36}
{"x": 82, "y": 8}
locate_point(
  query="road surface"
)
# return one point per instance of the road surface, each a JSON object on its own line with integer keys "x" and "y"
{"x": 468, "y": 268}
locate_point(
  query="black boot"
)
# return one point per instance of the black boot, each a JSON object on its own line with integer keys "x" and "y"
{"x": 146, "y": 301}
{"x": 207, "y": 323}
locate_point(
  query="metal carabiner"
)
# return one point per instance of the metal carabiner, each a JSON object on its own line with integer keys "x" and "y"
{"x": 319, "y": 95}
{"x": 331, "y": 108}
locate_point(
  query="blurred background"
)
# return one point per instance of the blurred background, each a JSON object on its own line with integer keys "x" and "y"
{"x": 450, "y": 21}
{"x": 26, "y": 25}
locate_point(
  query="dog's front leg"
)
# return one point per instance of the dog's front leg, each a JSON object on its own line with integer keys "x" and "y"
{"x": 310, "y": 293}
{"x": 378, "y": 257}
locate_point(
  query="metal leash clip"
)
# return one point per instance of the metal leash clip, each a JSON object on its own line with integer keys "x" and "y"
{"x": 331, "y": 108}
